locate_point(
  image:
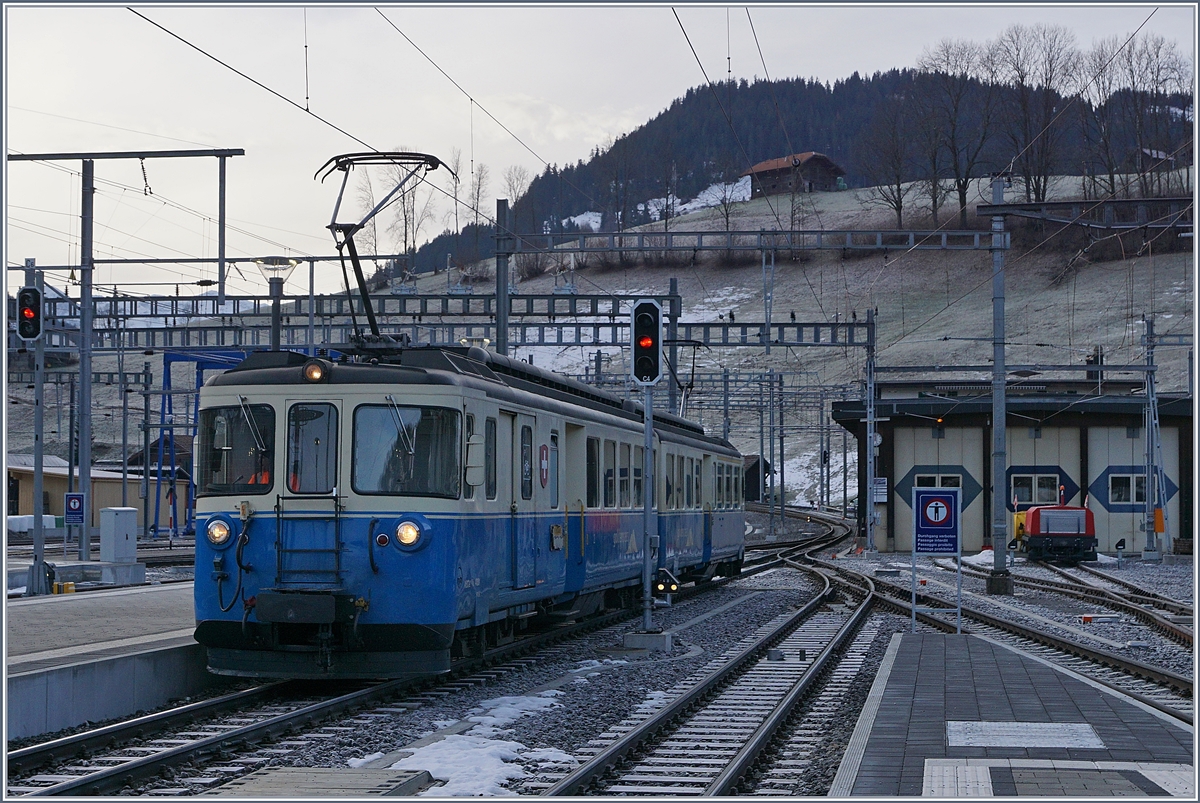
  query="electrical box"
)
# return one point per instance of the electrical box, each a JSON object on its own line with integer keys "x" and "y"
{"x": 118, "y": 535}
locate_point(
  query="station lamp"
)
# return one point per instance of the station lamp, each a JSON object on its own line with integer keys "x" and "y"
{"x": 276, "y": 270}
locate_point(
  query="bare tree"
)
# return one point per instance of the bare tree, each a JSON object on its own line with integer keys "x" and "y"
{"x": 1039, "y": 64}
{"x": 453, "y": 186}
{"x": 727, "y": 196}
{"x": 886, "y": 147}
{"x": 1098, "y": 119}
{"x": 928, "y": 150}
{"x": 963, "y": 100}
{"x": 369, "y": 234}
{"x": 1151, "y": 69}
{"x": 413, "y": 208}
{"x": 478, "y": 190}
{"x": 516, "y": 182}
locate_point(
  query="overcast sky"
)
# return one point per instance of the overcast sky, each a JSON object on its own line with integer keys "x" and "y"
{"x": 562, "y": 79}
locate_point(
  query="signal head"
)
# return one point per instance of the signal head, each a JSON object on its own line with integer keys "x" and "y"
{"x": 29, "y": 313}
{"x": 646, "y": 342}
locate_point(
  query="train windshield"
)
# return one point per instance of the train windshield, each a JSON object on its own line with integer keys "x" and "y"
{"x": 407, "y": 451}
{"x": 237, "y": 450}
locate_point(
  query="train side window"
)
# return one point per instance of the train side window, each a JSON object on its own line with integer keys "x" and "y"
{"x": 610, "y": 473}
{"x": 719, "y": 484}
{"x": 623, "y": 479}
{"x": 236, "y": 454}
{"x": 553, "y": 469}
{"x": 593, "y": 472}
{"x": 526, "y": 462}
{"x": 729, "y": 498}
{"x": 691, "y": 467}
{"x": 489, "y": 457}
{"x": 696, "y": 479}
{"x": 639, "y": 457}
{"x": 468, "y": 491}
{"x": 312, "y": 448}
{"x": 669, "y": 479}
{"x": 680, "y": 485}
{"x": 737, "y": 487}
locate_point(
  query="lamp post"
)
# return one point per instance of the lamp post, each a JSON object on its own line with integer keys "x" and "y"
{"x": 276, "y": 270}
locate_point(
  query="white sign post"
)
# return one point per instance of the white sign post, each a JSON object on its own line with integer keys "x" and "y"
{"x": 937, "y": 532}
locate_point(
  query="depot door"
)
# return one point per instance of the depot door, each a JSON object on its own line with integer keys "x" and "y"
{"x": 524, "y": 524}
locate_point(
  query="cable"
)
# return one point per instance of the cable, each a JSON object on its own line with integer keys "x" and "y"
{"x": 106, "y": 125}
{"x": 259, "y": 84}
{"x": 745, "y": 155}
{"x": 475, "y": 103}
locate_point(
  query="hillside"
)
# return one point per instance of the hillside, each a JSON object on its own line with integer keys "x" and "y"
{"x": 921, "y": 297}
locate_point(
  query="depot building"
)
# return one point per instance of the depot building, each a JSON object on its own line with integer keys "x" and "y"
{"x": 1083, "y": 442}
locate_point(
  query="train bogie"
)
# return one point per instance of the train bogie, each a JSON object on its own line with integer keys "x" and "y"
{"x": 372, "y": 520}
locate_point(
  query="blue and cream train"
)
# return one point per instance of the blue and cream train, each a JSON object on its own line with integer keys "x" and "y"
{"x": 377, "y": 517}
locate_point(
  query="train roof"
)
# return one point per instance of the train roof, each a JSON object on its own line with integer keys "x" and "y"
{"x": 449, "y": 365}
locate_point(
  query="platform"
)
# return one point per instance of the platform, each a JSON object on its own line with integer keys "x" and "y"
{"x": 89, "y": 657}
{"x": 965, "y": 716}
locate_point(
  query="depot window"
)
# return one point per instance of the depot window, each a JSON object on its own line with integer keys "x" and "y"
{"x": 236, "y": 452}
{"x": 1035, "y": 489}
{"x": 938, "y": 481}
{"x": 406, "y": 451}
{"x": 1127, "y": 488}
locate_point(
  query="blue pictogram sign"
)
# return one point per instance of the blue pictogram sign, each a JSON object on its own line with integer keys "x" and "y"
{"x": 936, "y": 520}
{"x": 73, "y": 509}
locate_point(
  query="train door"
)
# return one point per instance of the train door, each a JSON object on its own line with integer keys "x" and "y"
{"x": 524, "y": 526}
{"x": 575, "y": 492}
{"x": 704, "y": 497}
{"x": 308, "y": 547}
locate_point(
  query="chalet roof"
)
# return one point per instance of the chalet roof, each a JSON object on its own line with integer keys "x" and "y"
{"x": 795, "y": 160}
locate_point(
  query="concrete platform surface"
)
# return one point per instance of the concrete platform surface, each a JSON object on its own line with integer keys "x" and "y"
{"x": 87, "y": 623}
{"x": 965, "y": 716}
{"x": 91, "y": 657}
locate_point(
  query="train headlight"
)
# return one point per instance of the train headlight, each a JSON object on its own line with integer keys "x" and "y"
{"x": 218, "y": 532}
{"x": 314, "y": 371}
{"x": 408, "y": 533}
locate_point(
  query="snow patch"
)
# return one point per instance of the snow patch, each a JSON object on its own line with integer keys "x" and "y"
{"x": 505, "y": 710}
{"x": 358, "y": 762}
{"x": 588, "y": 221}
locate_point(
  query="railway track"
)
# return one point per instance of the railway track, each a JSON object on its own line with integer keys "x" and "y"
{"x": 1076, "y": 588}
{"x": 713, "y": 727}
{"x": 113, "y": 758}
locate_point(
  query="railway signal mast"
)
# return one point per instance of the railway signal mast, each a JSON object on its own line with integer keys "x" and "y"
{"x": 645, "y": 334}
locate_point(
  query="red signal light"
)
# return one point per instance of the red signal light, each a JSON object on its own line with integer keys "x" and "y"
{"x": 28, "y": 313}
{"x": 645, "y": 341}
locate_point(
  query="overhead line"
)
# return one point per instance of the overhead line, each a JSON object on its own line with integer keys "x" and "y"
{"x": 742, "y": 148}
{"x": 253, "y": 81}
{"x": 476, "y": 103}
